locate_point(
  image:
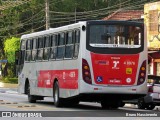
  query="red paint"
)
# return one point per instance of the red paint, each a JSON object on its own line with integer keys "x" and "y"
{"x": 154, "y": 68}
{"x": 133, "y": 89}
{"x": 112, "y": 68}
{"x": 95, "y": 88}
{"x": 155, "y": 55}
{"x": 68, "y": 79}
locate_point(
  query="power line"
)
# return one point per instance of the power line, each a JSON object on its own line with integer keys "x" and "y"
{"x": 88, "y": 12}
{"x": 92, "y": 15}
{"x": 79, "y": 15}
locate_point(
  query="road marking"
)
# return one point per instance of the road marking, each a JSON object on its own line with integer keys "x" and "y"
{"x": 15, "y": 103}
{"x": 26, "y": 106}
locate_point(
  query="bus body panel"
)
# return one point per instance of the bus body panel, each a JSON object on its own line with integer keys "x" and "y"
{"x": 68, "y": 79}
{"x": 102, "y": 67}
{"x": 110, "y": 89}
{"x": 114, "y": 69}
{"x": 113, "y": 88}
{"x": 41, "y": 74}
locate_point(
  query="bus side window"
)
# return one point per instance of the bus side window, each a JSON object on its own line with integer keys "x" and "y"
{"x": 61, "y": 46}
{"x": 28, "y": 47}
{"x": 40, "y": 42}
{"x": 23, "y": 48}
{"x": 22, "y": 57}
{"x": 54, "y": 40}
{"x": 47, "y": 41}
{"x": 69, "y": 45}
{"x": 46, "y": 48}
{"x": 34, "y": 49}
{"x": 40, "y": 48}
{"x": 61, "y": 39}
{"x": 23, "y": 44}
{"x": 53, "y": 47}
{"x": 76, "y": 45}
{"x": 28, "y": 50}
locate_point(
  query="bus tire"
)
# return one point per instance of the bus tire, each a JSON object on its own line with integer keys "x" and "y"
{"x": 57, "y": 100}
{"x": 141, "y": 104}
{"x": 31, "y": 98}
{"x": 150, "y": 106}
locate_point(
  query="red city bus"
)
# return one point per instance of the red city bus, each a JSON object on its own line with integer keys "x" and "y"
{"x": 99, "y": 61}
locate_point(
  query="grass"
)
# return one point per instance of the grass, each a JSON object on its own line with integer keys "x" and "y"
{"x": 10, "y": 80}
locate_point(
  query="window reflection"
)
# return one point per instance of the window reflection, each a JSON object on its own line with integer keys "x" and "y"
{"x": 115, "y": 36}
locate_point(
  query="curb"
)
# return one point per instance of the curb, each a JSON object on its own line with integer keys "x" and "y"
{"x": 8, "y": 85}
{"x": 12, "y": 92}
{"x": 130, "y": 105}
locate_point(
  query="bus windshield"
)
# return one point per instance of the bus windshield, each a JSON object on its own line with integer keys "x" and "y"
{"x": 115, "y": 36}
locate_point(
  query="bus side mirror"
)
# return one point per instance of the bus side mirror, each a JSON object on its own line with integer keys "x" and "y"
{"x": 83, "y": 28}
{"x": 16, "y": 62}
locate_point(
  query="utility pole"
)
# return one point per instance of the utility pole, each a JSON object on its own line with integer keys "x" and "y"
{"x": 75, "y": 14}
{"x": 47, "y": 14}
{"x": 120, "y": 4}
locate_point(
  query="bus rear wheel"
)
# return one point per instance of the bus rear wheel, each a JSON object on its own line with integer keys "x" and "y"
{"x": 57, "y": 100}
{"x": 31, "y": 98}
{"x": 109, "y": 105}
{"x": 141, "y": 104}
{"x": 150, "y": 106}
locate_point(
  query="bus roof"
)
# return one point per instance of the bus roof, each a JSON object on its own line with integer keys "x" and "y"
{"x": 68, "y": 27}
{"x": 53, "y": 30}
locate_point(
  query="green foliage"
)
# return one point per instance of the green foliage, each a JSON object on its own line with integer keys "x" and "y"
{"x": 10, "y": 80}
{"x": 10, "y": 46}
{"x": 30, "y": 17}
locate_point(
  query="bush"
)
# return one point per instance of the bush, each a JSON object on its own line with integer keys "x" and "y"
{"x": 10, "y": 80}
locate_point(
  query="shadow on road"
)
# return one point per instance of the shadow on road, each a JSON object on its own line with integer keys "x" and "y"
{"x": 90, "y": 106}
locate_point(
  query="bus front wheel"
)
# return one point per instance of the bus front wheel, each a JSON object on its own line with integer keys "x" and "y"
{"x": 31, "y": 98}
{"x": 57, "y": 100}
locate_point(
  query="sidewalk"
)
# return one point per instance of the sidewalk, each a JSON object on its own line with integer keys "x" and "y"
{"x": 8, "y": 85}
{"x": 8, "y": 88}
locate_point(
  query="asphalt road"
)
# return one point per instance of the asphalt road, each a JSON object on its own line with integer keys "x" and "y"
{"x": 11, "y": 101}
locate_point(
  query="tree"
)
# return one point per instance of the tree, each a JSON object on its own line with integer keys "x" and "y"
{"x": 10, "y": 46}
{"x": 30, "y": 17}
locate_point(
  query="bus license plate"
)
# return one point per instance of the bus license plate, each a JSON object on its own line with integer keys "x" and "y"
{"x": 114, "y": 81}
